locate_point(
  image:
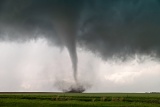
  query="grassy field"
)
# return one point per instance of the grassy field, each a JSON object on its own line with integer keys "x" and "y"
{"x": 79, "y": 100}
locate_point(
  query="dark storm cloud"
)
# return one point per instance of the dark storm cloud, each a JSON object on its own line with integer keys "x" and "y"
{"x": 123, "y": 27}
{"x": 106, "y": 27}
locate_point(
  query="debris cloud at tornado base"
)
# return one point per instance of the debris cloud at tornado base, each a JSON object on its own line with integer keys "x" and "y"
{"x": 106, "y": 28}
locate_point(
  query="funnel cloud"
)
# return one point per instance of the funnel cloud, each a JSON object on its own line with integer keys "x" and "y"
{"x": 107, "y": 28}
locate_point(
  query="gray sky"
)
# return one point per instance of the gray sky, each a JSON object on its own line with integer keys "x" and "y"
{"x": 112, "y": 44}
{"x": 37, "y": 66}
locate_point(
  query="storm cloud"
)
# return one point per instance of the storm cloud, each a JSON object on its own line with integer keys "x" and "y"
{"x": 107, "y": 28}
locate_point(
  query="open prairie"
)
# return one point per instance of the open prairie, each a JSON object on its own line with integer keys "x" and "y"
{"x": 51, "y": 99}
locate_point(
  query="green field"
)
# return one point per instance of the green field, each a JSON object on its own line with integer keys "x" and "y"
{"x": 79, "y": 100}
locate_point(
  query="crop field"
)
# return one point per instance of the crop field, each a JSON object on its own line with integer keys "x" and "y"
{"x": 39, "y": 99}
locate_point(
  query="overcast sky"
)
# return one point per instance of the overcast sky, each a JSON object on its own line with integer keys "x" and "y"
{"x": 37, "y": 66}
{"x": 101, "y": 45}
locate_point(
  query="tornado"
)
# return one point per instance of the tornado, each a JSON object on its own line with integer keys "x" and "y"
{"x": 67, "y": 36}
{"x": 65, "y": 16}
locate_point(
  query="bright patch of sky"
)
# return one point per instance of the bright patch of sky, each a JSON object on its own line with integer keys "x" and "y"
{"x": 37, "y": 66}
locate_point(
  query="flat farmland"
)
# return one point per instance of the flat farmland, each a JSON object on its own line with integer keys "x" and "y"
{"x": 52, "y": 99}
